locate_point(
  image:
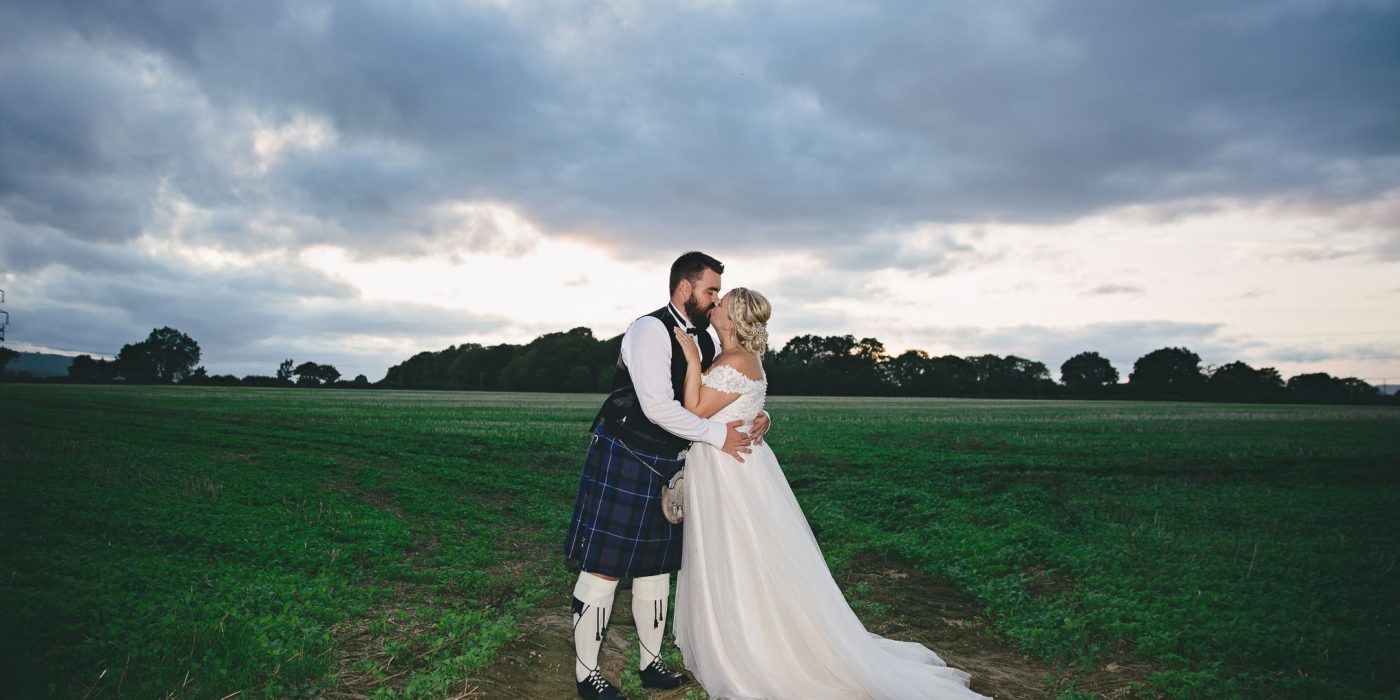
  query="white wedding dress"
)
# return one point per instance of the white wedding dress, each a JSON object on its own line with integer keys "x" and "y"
{"x": 758, "y": 614}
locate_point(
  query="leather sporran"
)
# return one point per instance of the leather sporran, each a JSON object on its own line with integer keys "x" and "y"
{"x": 672, "y": 492}
{"x": 673, "y": 498}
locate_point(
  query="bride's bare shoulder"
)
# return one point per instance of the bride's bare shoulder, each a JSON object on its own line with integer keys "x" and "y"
{"x": 744, "y": 362}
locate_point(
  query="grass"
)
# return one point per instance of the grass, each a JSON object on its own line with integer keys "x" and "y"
{"x": 194, "y": 542}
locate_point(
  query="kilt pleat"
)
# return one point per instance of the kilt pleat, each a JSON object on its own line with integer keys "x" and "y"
{"x": 617, "y": 527}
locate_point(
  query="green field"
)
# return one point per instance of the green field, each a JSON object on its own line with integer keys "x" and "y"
{"x": 194, "y": 542}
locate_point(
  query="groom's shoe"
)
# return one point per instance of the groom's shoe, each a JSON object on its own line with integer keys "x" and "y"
{"x": 658, "y": 677}
{"x": 596, "y": 687}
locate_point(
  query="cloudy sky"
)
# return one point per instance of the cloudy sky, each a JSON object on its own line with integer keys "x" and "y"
{"x": 353, "y": 182}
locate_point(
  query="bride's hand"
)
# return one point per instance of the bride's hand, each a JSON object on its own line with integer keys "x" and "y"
{"x": 688, "y": 346}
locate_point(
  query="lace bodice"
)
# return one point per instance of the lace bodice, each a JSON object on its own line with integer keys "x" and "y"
{"x": 751, "y": 392}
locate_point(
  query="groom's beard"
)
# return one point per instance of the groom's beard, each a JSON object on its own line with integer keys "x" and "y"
{"x": 699, "y": 316}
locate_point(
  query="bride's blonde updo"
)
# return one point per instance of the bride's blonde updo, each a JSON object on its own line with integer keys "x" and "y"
{"x": 750, "y": 311}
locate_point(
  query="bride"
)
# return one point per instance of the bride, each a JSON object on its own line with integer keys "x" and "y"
{"x": 758, "y": 614}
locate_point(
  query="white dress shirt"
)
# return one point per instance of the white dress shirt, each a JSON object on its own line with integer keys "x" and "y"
{"x": 646, "y": 350}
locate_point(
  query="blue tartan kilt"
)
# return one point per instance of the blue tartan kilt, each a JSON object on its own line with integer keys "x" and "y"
{"x": 618, "y": 528}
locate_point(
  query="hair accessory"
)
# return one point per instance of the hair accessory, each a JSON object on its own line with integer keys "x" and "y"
{"x": 759, "y": 327}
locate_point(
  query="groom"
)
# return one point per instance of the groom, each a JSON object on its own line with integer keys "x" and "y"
{"x": 639, "y": 441}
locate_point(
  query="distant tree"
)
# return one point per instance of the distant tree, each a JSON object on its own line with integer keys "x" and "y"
{"x": 328, "y": 374}
{"x": 197, "y": 377}
{"x": 6, "y": 355}
{"x": 551, "y": 361}
{"x": 1167, "y": 372}
{"x": 580, "y": 379}
{"x": 86, "y": 370}
{"x": 284, "y": 370}
{"x": 308, "y": 374}
{"x": 951, "y": 375}
{"x": 870, "y": 350}
{"x": 914, "y": 373}
{"x": 406, "y": 374}
{"x": 1320, "y": 387}
{"x": 1358, "y": 389}
{"x": 223, "y": 380}
{"x": 360, "y": 381}
{"x": 837, "y": 365}
{"x": 165, "y": 356}
{"x": 1237, "y": 381}
{"x": 909, "y": 373}
{"x": 1009, "y": 376}
{"x": 1087, "y": 372}
{"x": 263, "y": 380}
{"x": 134, "y": 364}
{"x": 801, "y": 367}
{"x": 426, "y": 370}
{"x": 173, "y": 354}
{"x": 477, "y": 367}
{"x": 83, "y": 369}
{"x": 609, "y": 352}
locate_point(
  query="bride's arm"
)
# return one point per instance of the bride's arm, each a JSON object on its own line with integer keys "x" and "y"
{"x": 711, "y": 401}
{"x": 699, "y": 399}
{"x": 692, "y": 370}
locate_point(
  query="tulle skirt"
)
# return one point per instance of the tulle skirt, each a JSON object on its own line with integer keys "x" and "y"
{"x": 758, "y": 614}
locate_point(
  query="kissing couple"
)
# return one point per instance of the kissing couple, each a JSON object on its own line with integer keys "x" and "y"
{"x": 758, "y": 614}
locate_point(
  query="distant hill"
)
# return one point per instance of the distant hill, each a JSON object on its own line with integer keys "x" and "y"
{"x": 40, "y": 364}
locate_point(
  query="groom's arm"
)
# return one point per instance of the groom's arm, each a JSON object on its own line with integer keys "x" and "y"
{"x": 646, "y": 350}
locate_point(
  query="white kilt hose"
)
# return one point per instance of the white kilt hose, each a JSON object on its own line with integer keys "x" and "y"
{"x": 618, "y": 528}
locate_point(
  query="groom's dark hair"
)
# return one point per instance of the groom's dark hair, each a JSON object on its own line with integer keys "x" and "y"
{"x": 691, "y": 266}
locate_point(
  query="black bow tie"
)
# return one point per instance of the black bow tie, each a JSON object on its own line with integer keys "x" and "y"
{"x": 693, "y": 330}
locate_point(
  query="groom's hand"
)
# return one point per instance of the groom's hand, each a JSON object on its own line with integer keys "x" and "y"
{"x": 760, "y": 427}
{"x": 736, "y": 443}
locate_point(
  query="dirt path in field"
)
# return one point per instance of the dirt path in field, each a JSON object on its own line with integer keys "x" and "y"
{"x": 918, "y": 607}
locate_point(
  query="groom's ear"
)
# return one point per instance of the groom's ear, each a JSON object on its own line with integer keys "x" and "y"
{"x": 685, "y": 287}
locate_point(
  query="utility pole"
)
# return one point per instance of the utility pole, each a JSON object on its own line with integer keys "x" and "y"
{"x": 4, "y": 317}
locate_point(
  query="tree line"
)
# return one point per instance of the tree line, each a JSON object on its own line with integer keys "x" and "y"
{"x": 842, "y": 365}
{"x": 168, "y": 356}
{"x": 838, "y": 365}
{"x": 575, "y": 361}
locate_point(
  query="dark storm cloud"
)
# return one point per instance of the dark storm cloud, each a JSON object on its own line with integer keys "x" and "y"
{"x": 72, "y": 328}
{"x": 82, "y": 143}
{"x": 831, "y": 129}
{"x": 791, "y": 122}
{"x": 103, "y": 109}
{"x": 907, "y": 112}
{"x": 226, "y": 307}
{"x": 31, "y": 249}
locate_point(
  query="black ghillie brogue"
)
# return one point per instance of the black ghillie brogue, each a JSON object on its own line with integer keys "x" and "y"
{"x": 596, "y": 687}
{"x": 658, "y": 677}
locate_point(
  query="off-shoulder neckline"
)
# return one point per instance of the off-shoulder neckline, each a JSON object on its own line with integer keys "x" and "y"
{"x": 735, "y": 370}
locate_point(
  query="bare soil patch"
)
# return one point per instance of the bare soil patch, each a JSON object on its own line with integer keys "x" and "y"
{"x": 540, "y": 662}
{"x": 922, "y": 608}
{"x": 367, "y": 657}
{"x": 913, "y": 606}
{"x": 1046, "y": 582}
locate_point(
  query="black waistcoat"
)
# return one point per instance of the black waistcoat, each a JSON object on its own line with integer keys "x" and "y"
{"x": 622, "y": 412}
